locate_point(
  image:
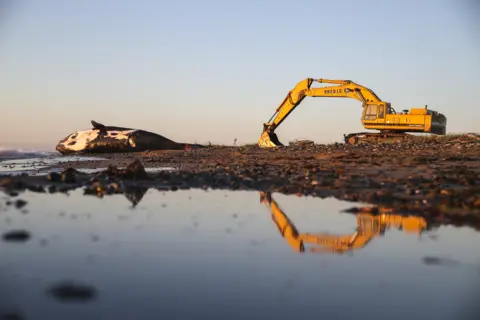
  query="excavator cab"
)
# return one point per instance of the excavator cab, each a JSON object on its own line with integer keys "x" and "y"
{"x": 374, "y": 112}
{"x": 367, "y": 224}
{"x": 389, "y": 109}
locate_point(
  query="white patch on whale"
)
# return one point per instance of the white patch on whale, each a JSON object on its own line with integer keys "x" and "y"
{"x": 82, "y": 138}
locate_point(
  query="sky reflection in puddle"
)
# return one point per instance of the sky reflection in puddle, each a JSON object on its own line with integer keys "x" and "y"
{"x": 226, "y": 255}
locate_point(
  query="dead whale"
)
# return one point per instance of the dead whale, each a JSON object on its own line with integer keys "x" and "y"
{"x": 111, "y": 139}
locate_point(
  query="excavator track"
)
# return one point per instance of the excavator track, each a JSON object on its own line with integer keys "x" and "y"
{"x": 374, "y": 138}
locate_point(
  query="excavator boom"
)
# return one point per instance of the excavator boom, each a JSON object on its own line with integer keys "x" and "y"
{"x": 377, "y": 114}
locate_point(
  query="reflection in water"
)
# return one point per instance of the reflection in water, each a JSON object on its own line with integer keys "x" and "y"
{"x": 369, "y": 226}
{"x": 38, "y": 166}
{"x": 134, "y": 194}
{"x": 216, "y": 255}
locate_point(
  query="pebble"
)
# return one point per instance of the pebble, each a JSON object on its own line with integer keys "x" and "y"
{"x": 16, "y": 236}
{"x": 73, "y": 291}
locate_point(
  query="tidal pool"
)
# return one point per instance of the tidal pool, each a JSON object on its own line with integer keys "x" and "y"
{"x": 195, "y": 254}
{"x": 42, "y": 166}
{"x": 39, "y": 165}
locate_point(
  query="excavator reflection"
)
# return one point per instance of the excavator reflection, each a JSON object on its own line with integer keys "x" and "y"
{"x": 369, "y": 226}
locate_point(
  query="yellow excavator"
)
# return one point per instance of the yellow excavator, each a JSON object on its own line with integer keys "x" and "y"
{"x": 369, "y": 226}
{"x": 377, "y": 114}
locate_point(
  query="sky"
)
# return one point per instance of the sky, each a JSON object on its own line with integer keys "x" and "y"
{"x": 215, "y": 71}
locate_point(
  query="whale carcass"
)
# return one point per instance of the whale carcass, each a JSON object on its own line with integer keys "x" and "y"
{"x": 111, "y": 139}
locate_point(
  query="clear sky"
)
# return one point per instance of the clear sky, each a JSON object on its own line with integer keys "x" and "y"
{"x": 199, "y": 71}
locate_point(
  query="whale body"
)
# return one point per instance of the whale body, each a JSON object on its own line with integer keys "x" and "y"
{"x": 111, "y": 139}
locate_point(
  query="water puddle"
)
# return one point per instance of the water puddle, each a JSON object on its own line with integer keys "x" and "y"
{"x": 194, "y": 254}
{"x": 156, "y": 169}
{"x": 36, "y": 166}
{"x": 43, "y": 166}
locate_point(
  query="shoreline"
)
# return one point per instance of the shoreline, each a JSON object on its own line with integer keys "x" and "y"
{"x": 438, "y": 178}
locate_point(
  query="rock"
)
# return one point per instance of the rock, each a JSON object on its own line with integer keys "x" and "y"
{"x": 20, "y": 203}
{"x": 134, "y": 171}
{"x": 73, "y": 291}
{"x": 54, "y": 177}
{"x": 11, "y": 315}
{"x": 6, "y": 182}
{"x": 69, "y": 176}
{"x": 16, "y": 236}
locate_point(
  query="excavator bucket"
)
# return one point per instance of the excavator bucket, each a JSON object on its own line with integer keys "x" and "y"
{"x": 269, "y": 140}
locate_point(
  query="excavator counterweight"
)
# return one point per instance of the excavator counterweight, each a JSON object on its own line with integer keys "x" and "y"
{"x": 376, "y": 115}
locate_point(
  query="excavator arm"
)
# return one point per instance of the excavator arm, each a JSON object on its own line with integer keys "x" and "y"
{"x": 378, "y": 114}
{"x": 344, "y": 89}
{"x": 326, "y": 243}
